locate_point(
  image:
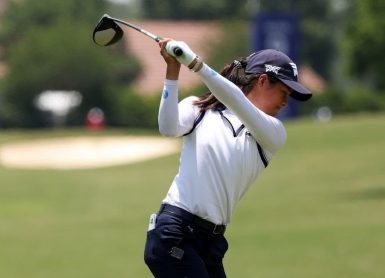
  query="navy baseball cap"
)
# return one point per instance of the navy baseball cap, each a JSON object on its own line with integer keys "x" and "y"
{"x": 279, "y": 65}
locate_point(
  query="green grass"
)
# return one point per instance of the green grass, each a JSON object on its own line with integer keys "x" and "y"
{"x": 317, "y": 211}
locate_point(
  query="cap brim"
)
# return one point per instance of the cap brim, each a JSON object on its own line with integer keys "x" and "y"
{"x": 299, "y": 92}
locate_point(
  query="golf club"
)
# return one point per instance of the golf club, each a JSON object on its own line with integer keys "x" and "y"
{"x": 108, "y": 32}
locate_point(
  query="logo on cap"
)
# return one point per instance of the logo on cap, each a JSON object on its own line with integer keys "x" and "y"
{"x": 271, "y": 68}
{"x": 295, "y": 71}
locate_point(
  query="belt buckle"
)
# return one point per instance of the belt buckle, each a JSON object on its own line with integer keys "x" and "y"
{"x": 218, "y": 230}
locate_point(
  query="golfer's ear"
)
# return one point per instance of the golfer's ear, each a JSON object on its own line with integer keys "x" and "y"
{"x": 263, "y": 77}
{"x": 261, "y": 80}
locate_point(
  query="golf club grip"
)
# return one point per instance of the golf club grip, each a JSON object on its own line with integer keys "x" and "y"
{"x": 177, "y": 50}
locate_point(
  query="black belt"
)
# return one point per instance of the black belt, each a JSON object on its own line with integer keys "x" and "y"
{"x": 193, "y": 219}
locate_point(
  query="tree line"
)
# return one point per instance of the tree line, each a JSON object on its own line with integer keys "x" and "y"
{"x": 47, "y": 45}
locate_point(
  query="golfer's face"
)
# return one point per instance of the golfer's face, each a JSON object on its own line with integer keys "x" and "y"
{"x": 271, "y": 97}
{"x": 279, "y": 94}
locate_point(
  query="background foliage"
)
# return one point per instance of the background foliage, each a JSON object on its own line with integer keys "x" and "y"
{"x": 47, "y": 46}
{"x": 365, "y": 43}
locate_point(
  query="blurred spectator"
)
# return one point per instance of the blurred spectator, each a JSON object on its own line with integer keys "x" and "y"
{"x": 95, "y": 119}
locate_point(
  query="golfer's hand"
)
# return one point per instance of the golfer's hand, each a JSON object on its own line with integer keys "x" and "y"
{"x": 173, "y": 66}
{"x": 169, "y": 59}
{"x": 188, "y": 58}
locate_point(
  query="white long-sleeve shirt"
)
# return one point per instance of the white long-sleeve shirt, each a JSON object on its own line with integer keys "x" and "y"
{"x": 219, "y": 159}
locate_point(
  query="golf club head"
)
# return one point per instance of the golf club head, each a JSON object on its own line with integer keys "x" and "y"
{"x": 107, "y": 31}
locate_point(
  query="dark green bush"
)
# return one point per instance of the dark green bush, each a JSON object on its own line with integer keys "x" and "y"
{"x": 129, "y": 109}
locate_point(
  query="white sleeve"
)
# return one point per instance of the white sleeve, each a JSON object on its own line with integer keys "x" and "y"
{"x": 175, "y": 119}
{"x": 267, "y": 130}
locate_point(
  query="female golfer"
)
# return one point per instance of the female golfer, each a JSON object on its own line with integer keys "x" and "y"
{"x": 230, "y": 134}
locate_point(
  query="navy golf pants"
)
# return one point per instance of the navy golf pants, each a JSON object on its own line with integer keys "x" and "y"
{"x": 178, "y": 249}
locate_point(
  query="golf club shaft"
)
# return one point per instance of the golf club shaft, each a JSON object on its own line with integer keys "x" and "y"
{"x": 177, "y": 51}
{"x": 154, "y": 37}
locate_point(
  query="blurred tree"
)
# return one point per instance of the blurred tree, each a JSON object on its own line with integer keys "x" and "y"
{"x": 198, "y": 9}
{"x": 237, "y": 45}
{"x": 365, "y": 42}
{"x": 48, "y": 46}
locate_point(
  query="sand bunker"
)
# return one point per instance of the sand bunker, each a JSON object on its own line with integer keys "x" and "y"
{"x": 85, "y": 152}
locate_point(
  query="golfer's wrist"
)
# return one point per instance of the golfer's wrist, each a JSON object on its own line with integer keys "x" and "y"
{"x": 196, "y": 64}
{"x": 172, "y": 71}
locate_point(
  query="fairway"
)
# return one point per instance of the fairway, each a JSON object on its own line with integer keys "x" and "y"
{"x": 317, "y": 211}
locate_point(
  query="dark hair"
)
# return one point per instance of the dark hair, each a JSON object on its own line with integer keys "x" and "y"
{"x": 235, "y": 72}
